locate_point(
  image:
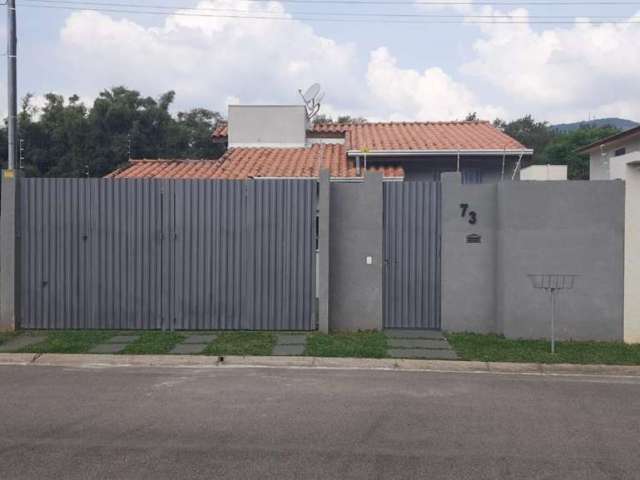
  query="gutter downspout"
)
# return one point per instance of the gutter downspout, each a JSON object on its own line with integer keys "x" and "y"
{"x": 517, "y": 167}
{"x": 358, "y": 166}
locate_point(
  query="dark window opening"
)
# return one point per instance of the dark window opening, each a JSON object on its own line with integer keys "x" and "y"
{"x": 619, "y": 152}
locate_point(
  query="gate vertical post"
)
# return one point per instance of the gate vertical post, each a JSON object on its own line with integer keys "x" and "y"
{"x": 9, "y": 254}
{"x": 324, "y": 265}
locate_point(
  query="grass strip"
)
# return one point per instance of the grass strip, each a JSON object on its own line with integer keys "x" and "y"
{"x": 6, "y": 336}
{"x": 242, "y": 343}
{"x": 496, "y": 348}
{"x": 154, "y": 343}
{"x": 69, "y": 341}
{"x": 366, "y": 344}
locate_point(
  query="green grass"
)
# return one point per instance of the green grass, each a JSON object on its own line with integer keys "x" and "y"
{"x": 69, "y": 341}
{"x": 352, "y": 344}
{"x": 495, "y": 348}
{"x": 242, "y": 343}
{"x": 5, "y": 336}
{"x": 154, "y": 342}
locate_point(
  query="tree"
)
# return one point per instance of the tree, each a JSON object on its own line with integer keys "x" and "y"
{"x": 322, "y": 118}
{"x": 349, "y": 119}
{"x": 530, "y": 133}
{"x": 471, "y": 117}
{"x": 64, "y": 138}
{"x": 562, "y": 150}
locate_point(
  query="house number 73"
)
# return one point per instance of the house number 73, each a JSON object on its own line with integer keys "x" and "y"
{"x": 464, "y": 212}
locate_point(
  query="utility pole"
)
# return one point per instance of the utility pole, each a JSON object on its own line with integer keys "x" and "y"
{"x": 12, "y": 97}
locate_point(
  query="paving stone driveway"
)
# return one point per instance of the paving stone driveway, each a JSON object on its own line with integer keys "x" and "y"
{"x": 21, "y": 342}
{"x": 290, "y": 344}
{"x": 429, "y": 344}
{"x": 115, "y": 344}
{"x": 194, "y": 344}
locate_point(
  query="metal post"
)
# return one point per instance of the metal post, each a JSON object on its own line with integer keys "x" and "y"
{"x": 553, "y": 320}
{"x": 12, "y": 107}
{"x": 9, "y": 252}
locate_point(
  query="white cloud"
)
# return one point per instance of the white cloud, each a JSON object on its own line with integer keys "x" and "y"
{"x": 430, "y": 95}
{"x": 560, "y": 72}
{"x": 214, "y": 61}
{"x": 207, "y": 59}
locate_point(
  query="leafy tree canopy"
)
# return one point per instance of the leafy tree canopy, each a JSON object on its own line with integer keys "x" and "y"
{"x": 321, "y": 118}
{"x": 65, "y": 138}
{"x": 552, "y": 147}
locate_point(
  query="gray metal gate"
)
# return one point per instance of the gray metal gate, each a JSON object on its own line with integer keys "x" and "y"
{"x": 171, "y": 254}
{"x": 411, "y": 280}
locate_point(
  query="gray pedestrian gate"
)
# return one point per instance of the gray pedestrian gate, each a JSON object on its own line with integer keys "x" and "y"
{"x": 167, "y": 254}
{"x": 411, "y": 279}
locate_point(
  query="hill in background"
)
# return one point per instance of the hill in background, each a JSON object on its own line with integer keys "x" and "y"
{"x": 619, "y": 123}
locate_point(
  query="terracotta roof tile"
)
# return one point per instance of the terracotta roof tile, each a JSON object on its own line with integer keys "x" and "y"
{"x": 168, "y": 169}
{"x": 429, "y": 136}
{"x": 474, "y": 135}
{"x": 239, "y": 163}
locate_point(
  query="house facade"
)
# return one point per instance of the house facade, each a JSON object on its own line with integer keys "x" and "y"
{"x": 608, "y": 157}
{"x": 279, "y": 142}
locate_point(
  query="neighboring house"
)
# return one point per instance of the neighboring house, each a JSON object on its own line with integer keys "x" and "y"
{"x": 278, "y": 142}
{"x": 609, "y": 156}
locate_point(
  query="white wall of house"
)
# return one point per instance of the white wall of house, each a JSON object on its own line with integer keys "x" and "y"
{"x": 544, "y": 172}
{"x": 627, "y": 168}
{"x": 276, "y": 126}
{"x": 599, "y": 161}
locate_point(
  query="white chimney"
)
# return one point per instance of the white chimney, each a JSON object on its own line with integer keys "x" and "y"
{"x": 281, "y": 126}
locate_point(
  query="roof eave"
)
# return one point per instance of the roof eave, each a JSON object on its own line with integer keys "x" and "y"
{"x": 476, "y": 152}
{"x": 617, "y": 137}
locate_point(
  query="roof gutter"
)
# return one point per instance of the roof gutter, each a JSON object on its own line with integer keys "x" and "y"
{"x": 333, "y": 179}
{"x": 422, "y": 153}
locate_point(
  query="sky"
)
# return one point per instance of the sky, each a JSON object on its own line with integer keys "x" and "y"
{"x": 368, "y": 63}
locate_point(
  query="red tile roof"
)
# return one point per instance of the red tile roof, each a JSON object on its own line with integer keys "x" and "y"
{"x": 168, "y": 169}
{"x": 240, "y": 163}
{"x": 220, "y": 131}
{"x": 307, "y": 162}
{"x": 474, "y": 135}
{"x": 429, "y": 136}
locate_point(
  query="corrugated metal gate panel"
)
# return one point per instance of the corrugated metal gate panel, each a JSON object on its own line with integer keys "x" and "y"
{"x": 209, "y": 230}
{"x": 150, "y": 254}
{"x": 280, "y": 278}
{"x": 91, "y": 254}
{"x": 411, "y": 280}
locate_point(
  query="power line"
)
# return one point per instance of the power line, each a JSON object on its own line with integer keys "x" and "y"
{"x": 507, "y": 20}
{"x": 329, "y": 14}
{"x": 460, "y": 2}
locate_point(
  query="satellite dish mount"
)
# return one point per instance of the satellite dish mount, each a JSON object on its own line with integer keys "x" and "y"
{"x": 312, "y": 99}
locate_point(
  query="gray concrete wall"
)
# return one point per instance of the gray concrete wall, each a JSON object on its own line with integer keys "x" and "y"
{"x": 9, "y": 254}
{"x": 561, "y": 227}
{"x": 267, "y": 126}
{"x": 534, "y": 227}
{"x": 355, "y": 287}
{"x": 324, "y": 265}
{"x": 468, "y": 269}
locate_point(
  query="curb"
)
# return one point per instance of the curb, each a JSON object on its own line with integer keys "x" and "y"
{"x": 201, "y": 361}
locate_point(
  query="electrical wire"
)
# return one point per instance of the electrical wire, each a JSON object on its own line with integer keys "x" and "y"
{"x": 507, "y": 20}
{"x": 330, "y": 14}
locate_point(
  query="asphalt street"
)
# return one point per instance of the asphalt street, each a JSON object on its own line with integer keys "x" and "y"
{"x": 246, "y": 423}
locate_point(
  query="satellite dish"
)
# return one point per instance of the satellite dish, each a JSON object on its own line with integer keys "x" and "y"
{"x": 312, "y": 98}
{"x": 311, "y": 93}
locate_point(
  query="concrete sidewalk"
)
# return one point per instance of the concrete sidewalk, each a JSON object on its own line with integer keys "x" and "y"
{"x": 202, "y": 361}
